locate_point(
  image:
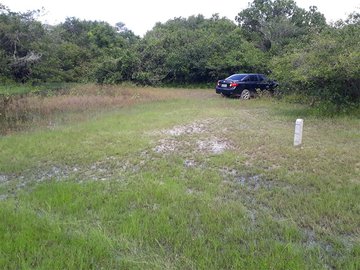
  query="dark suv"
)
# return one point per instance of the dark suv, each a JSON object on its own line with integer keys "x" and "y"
{"x": 245, "y": 85}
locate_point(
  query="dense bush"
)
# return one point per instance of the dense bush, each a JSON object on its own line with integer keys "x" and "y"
{"x": 325, "y": 69}
{"x": 197, "y": 50}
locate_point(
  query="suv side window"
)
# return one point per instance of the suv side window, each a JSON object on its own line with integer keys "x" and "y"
{"x": 253, "y": 78}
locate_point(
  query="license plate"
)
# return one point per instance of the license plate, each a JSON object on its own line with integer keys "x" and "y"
{"x": 224, "y": 85}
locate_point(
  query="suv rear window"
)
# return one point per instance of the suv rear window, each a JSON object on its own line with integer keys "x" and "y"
{"x": 262, "y": 77}
{"x": 236, "y": 77}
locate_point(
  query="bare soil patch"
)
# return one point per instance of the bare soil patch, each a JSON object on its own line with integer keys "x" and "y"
{"x": 207, "y": 142}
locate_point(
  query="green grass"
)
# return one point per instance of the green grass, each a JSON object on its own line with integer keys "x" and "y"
{"x": 97, "y": 195}
{"x": 17, "y": 89}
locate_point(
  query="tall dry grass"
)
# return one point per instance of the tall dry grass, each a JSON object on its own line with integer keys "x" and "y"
{"x": 19, "y": 112}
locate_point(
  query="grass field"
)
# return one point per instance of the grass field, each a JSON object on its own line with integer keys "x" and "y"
{"x": 131, "y": 178}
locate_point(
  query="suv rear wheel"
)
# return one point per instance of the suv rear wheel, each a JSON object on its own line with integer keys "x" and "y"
{"x": 245, "y": 94}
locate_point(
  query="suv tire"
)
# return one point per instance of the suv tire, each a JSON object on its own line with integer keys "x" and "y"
{"x": 245, "y": 94}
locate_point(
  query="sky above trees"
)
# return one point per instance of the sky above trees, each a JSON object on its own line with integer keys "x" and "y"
{"x": 141, "y": 15}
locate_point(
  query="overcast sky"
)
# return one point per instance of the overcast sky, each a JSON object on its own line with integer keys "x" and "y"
{"x": 141, "y": 15}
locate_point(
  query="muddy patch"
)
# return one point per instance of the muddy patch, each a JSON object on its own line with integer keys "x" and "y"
{"x": 188, "y": 163}
{"x": 190, "y": 140}
{"x": 55, "y": 173}
{"x": 196, "y": 127}
{"x": 169, "y": 145}
{"x": 213, "y": 145}
{"x": 3, "y": 178}
{"x": 253, "y": 181}
{"x": 181, "y": 138}
{"x": 111, "y": 168}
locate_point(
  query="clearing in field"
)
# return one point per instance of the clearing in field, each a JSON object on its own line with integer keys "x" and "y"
{"x": 116, "y": 177}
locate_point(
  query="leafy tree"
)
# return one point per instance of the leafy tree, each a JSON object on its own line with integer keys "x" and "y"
{"x": 117, "y": 69}
{"x": 271, "y": 25}
{"x": 19, "y": 34}
{"x": 195, "y": 50}
{"x": 118, "y": 59}
{"x": 84, "y": 51}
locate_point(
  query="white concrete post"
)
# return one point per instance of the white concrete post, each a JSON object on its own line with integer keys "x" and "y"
{"x": 298, "y": 132}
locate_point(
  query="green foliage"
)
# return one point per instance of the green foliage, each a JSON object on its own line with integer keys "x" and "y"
{"x": 19, "y": 35}
{"x": 197, "y": 50}
{"x": 272, "y": 24}
{"x": 116, "y": 70}
{"x": 90, "y": 51}
{"x": 70, "y": 52}
{"x": 325, "y": 69}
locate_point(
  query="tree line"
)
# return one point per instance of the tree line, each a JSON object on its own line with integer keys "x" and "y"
{"x": 296, "y": 46}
